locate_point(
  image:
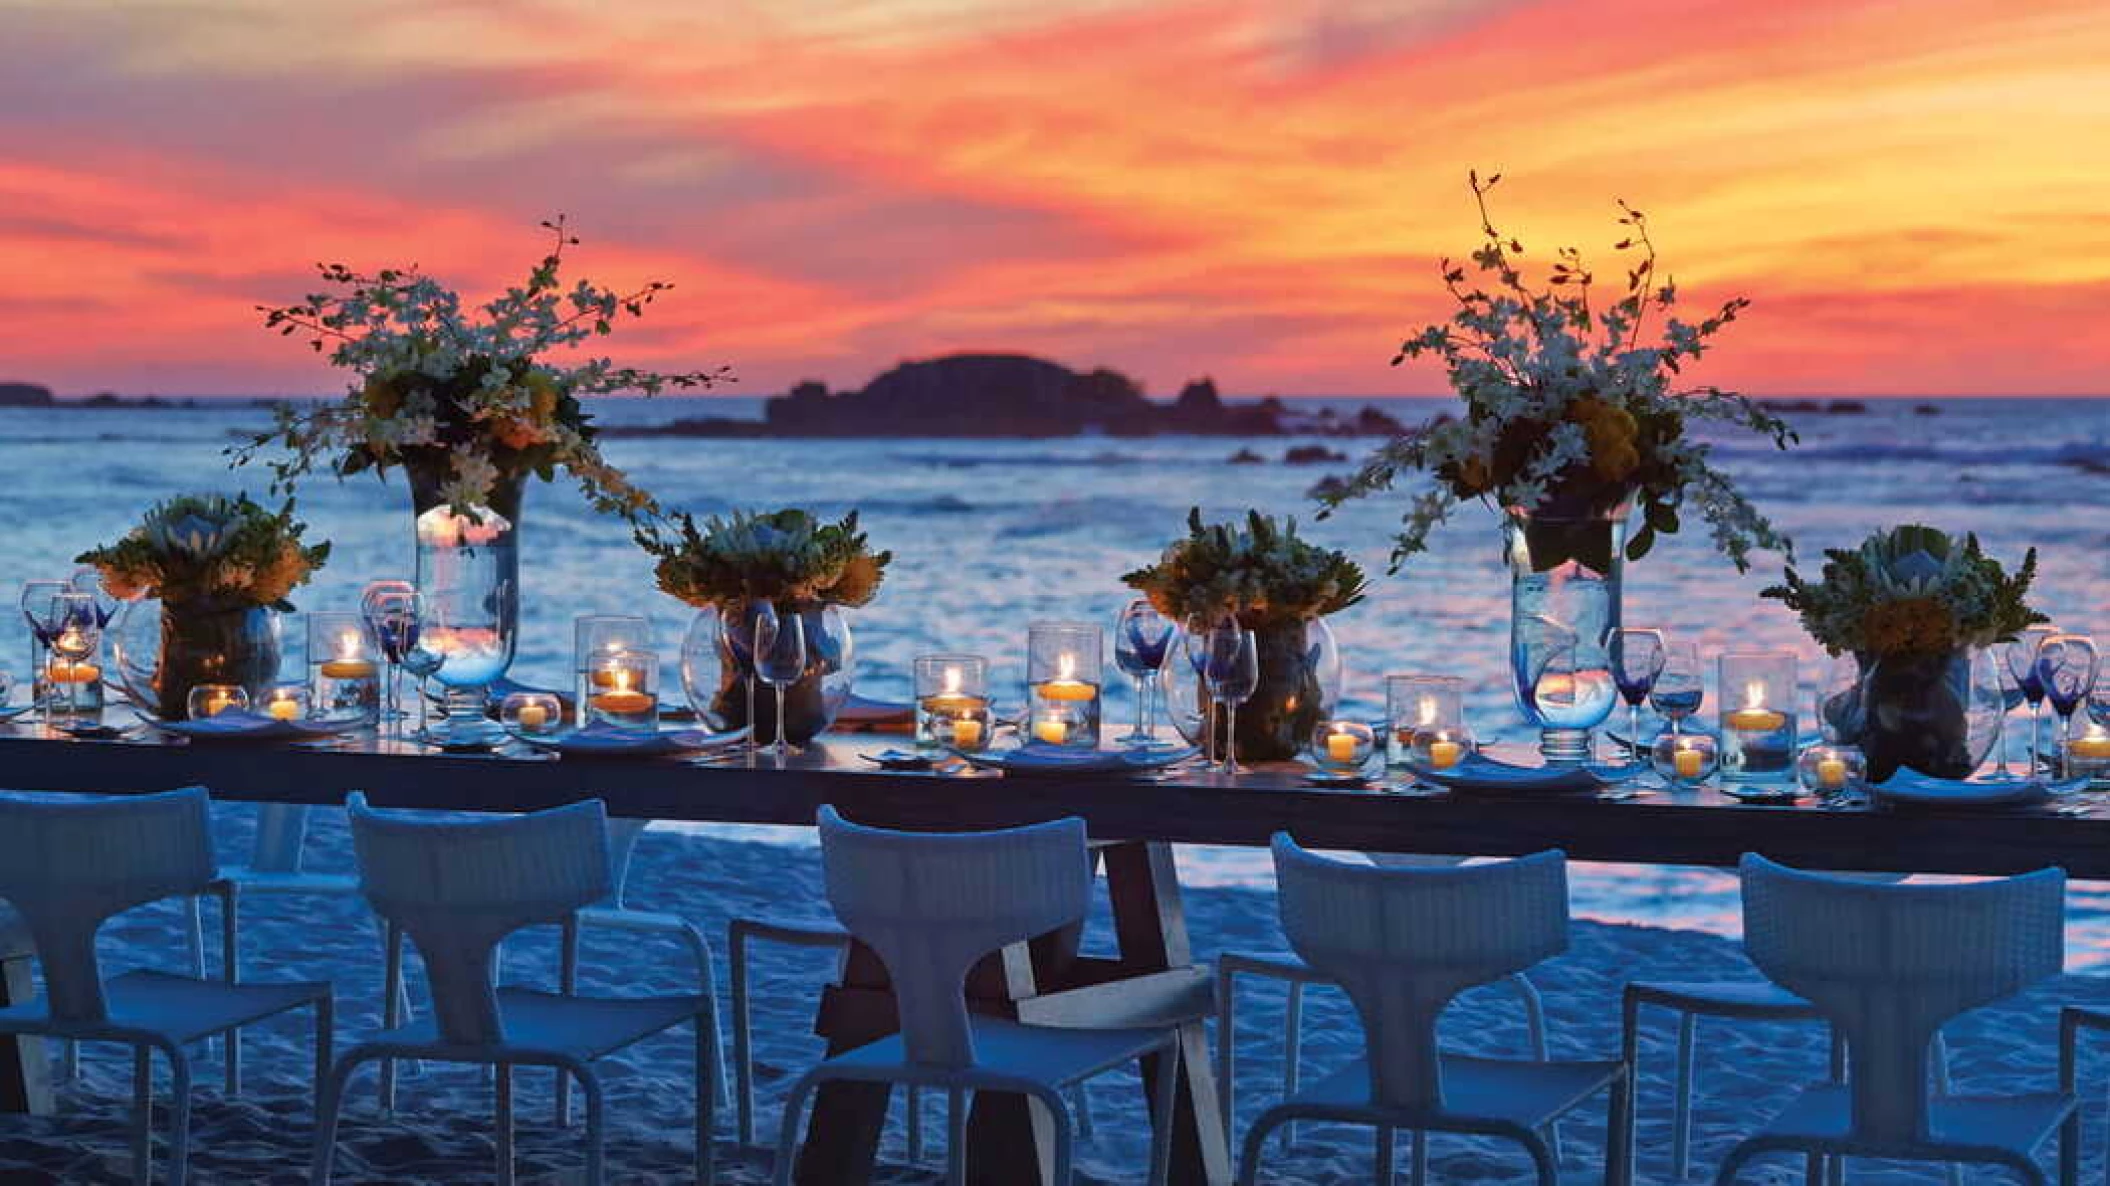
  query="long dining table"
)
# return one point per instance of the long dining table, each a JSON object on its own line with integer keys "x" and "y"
{"x": 1155, "y": 978}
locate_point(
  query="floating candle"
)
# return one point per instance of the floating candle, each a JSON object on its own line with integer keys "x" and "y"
{"x": 2093, "y": 746}
{"x": 622, "y": 701}
{"x": 347, "y": 669}
{"x": 1689, "y": 763}
{"x": 966, "y": 732}
{"x": 1445, "y": 754}
{"x": 62, "y": 672}
{"x": 1067, "y": 690}
{"x": 1754, "y": 717}
{"x": 952, "y": 704}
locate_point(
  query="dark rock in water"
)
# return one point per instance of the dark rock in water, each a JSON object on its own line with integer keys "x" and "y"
{"x": 1790, "y": 406}
{"x": 24, "y": 395}
{"x": 1005, "y": 395}
{"x": 1846, "y": 407}
{"x": 1246, "y": 457}
{"x": 1312, "y": 455}
{"x": 1327, "y": 487}
{"x": 1372, "y": 422}
{"x": 1926, "y": 410}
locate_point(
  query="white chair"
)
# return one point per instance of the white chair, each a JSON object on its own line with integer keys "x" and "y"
{"x": 69, "y": 864}
{"x": 1403, "y": 943}
{"x": 1231, "y": 965}
{"x": 1887, "y": 965}
{"x": 931, "y": 907}
{"x": 459, "y": 887}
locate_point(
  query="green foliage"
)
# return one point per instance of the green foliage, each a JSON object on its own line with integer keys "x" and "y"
{"x": 785, "y": 557}
{"x": 1911, "y": 590}
{"x": 1262, "y": 574}
{"x": 210, "y": 550}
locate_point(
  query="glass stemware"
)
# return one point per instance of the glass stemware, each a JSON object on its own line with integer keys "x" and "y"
{"x": 420, "y": 664}
{"x": 2066, "y": 666}
{"x": 38, "y": 597}
{"x": 779, "y": 660}
{"x": 2021, "y": 658}
{"x": 1232, "y": 672}
{"x": 1142, "y": 639}
{"x": 1985, "y": 708}
{"x": 1570, "y": 690}
{"x": 1680, "y": 686}
{"x": 1194, "y": 645}
{"x": 391, "y": 612}
{"x": 1637, "y": 659}
{"x": 73, "y": 638}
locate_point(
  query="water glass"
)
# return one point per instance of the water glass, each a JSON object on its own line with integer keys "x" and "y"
{"x": 1637, "y": 659}
{"x": 1681, "y": 687}
{"x": 2066, "y": 666}
{"x": 73, "y": 668}
{"x": 1757, "y": 714}
{"x": 595, "y": 637}
{"x": 39, "y": 599}
{"x": 952, "y": 702}
{"x": 2021, "y": 659}
{"x": 1064, "y": 661}
{"x": 390, "y": 609}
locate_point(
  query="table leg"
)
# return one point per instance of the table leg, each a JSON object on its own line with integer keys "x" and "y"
{"x": 1151, "y": 926}
{"x": 25, "y": 1069}
{"x": 842, "y": 1136}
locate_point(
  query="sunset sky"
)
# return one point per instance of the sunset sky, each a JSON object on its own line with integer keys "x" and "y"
{"x": 1916, "y": 195}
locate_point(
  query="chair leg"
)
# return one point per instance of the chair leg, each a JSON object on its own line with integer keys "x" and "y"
{"x": 1681, "y": 1100}
{"x": 1939, "y": 1051}
{"x": 1547, "y": 1167}
{"x": 194, "y": 939}
{"x": 328, "y": 1102}
{"x": 391, "y": 1008}
{"x": 596, "y": 1127}
{"x": 788, "y": 1128}
{"x": 1535, "y": 1031}
{"x": 1226, "y": 1048}
{"x": 179, "y": 1114}
{"x": 1419, "y": 1161}
{"x": 1292, "y": 1055}
{"x": 743, "y": 1044}
{"x": 504, "y": 1126}
{"x": 1386, "y": 1156}
{"x": 955, "y": 1137}
{"x": 1619, "y": 1134}
{"x": 143, "y": 1115}
{"x": 1733, "y": 1164}
{"x": 1630, "y": 1056}
{"x": 1255, "y": 1141}
{"x": 1081, "y": 1108}
{"x": 706, "y": 1091}
{"x": 1163, "y": 1105}
{"x": 915, "y": 1125}
{"x": 568, "y": 984}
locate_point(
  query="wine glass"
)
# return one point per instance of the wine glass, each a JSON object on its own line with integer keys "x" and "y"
{"x": 737, "y": 633}
{"x": 2021, "y": 658}
{"x": 1194, "y": 644}
{"x": 780, "y": 659}
{"x": 37, "y": 600}
{"x": 2066, "y": 665}
{"x": 74, "y": 636}
{"x": 421, "y": 664}
{"x": 1637, "y": 659}
{"x": 1985, "y": 706}
{"x": 1142, "y": 639}
{"x": 1838, "y": 704}
{"x": 390, "y": 609}
{"x": 1680, "y": 687}
{"x": 1232, "y": 672}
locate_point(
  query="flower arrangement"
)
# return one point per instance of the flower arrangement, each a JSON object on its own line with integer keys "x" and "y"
{"x": 1911, "y": 590}
{"x": 469, "y": 400}
{"x": 1567, "y": 411}
{"x": 786, "y": 557}
{"x": 206, "y": 549}
{"x": 1261, "y": 574}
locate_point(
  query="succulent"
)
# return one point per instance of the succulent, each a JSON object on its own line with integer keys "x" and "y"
{"x": 210, "y": 550}
{"x": 1262, "y": 574}
{"x": 784, "y": 557}
{"x": 1911, "y": 590}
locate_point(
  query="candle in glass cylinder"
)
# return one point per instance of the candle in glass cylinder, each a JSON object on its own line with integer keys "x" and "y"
{"x": 628, "y": 696}
{"x": 1757, "y": 735}
{"x": 1754, "y": 717}
{"x": 1062, "y": 675}
{"x": 349, "y": 662}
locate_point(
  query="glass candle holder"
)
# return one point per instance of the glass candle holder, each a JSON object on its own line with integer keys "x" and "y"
{"x": 1439, "y": 749}
{"x": 1830, "y": 769}
{"x": 595, "y": 637}
{"x": 1685, "y": 759}
{"x": 531, "y": 714}
{"x": 625, "y": 689}
{"x": 1757, "y": 697}
{"x": 952, "y": 702}
{"x": 1063, "y": 670}
{"x": 1343, "y": 747}
{"x": 73, "y": 666}
{"x": 2087, "y": 751}
{"x": 1418, "y": 704}
{"x": 288, "y": 702}
{"x": 343, "y": 669}
{"x": 210, "y": 700}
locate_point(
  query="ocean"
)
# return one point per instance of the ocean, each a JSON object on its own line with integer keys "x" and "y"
{"x": 991, "y": 535}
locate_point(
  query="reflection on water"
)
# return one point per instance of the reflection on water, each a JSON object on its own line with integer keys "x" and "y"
{"x": 989, "y": 536}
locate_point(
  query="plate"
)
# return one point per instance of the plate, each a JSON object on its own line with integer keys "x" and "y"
{"x": 1911, "y": 789}
{"x": 97, "y": 731}
{"x": 1785, "y": 793}
{"x": 900, "y": 759}
{"x": 610, "y": 741}
{"x": 1647, "y": 742}
{"x": 1320, "y": 778}
{"x": 1035, "y": 759}
{"x": 1479, "y": 774}
{"x": 12, "y": 711}
{"x": 250, "y": 728}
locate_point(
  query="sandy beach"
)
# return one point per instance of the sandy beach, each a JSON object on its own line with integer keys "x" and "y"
{"x": 441, "y": 1133}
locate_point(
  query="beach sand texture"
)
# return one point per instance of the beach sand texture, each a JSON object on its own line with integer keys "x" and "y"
{"x": 442, "y": 1129}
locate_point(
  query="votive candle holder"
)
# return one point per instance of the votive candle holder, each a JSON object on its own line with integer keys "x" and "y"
{"x": 1831, "y": 769}
{"x": 1064, "y": 667}
{"x": 952, "y": 702}
{"x": 343, "y": 677}
{"x": 596, "y": 637}
{"x": 1417, "y": 709}
{"x": 626, "y": 689}
{"x": 531, "y": 714}
{"x": 1757, "y": 696}
{"x": 1685, "y": 760}
{"x": 207, "y": 701}
{"x": 288, "y": 703}
{"x": 1343, "y": 747}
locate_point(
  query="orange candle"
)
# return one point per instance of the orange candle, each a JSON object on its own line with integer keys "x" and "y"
{"x": 348, "y": 669}
{"x": 623, "y": 702}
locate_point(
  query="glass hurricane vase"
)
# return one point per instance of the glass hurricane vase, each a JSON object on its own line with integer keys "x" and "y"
{"x": 164, "y": 649}
{"x": 468, "y": 578}
{"x": 1565, "y": 572}
{"x": 716, "y": 670}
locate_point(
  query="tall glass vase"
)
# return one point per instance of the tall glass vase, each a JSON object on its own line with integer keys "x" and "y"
{"x": 468, "y": 578}
{"x": 164, "y": 649}
{"x": 1565, "y": 571}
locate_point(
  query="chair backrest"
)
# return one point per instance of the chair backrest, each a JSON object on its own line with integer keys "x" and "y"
{"x": 457, "y": 887}
{"x": 68, "y": 864}
{"x": 1887, "y": 964}
{"x": 1404, "y": 941}
{"x": 931, "y": 905}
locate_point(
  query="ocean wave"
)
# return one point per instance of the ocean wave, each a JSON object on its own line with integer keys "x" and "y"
{"x": 2081, "y": 454}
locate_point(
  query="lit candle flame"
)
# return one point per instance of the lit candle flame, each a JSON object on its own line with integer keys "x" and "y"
{"x": 1755, "y": 694}
{"x": 1066, "y": 666}
{"x": 348, "y": 645}
{"x": 952, "y": 681}
{"x": 1428, "y": 710}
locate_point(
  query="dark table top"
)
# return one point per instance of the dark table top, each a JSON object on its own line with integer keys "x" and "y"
{"x": 1659, "y": 827}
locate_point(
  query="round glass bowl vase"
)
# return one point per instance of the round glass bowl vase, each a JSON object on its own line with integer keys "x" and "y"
{"x": 1685, "y": 760}
{"x": 1831, "y": 769}
{"x": 1343, "y": 748}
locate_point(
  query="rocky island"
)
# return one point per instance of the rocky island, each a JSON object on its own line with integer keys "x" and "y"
{"x": 1015, "y": 395}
